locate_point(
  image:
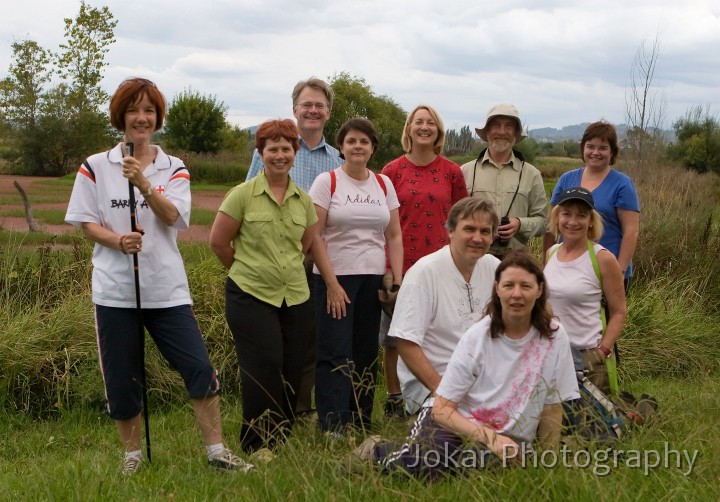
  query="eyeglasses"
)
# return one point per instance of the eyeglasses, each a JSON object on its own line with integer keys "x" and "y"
{"x": 309, "y": 106}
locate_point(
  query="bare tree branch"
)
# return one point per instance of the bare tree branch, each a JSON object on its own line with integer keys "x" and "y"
{"x": 644, "y": 105}
{"x": 32, "y": 224}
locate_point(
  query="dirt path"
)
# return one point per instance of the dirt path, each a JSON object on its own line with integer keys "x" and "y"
{"x": 10, "y": 200}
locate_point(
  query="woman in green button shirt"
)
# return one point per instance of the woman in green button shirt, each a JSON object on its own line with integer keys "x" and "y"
{"x": 261, "y": 233}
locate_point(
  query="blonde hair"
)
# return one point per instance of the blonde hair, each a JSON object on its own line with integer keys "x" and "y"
{"x": 595, "y": 230}
{"x": 405, "y": 139}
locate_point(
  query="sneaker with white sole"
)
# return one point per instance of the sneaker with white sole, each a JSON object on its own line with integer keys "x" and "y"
{"x": 366, "y": 450}
{"x": 228, "y": 461}
{"x": 363, "y": 457}
{"x": 131, "y": 465}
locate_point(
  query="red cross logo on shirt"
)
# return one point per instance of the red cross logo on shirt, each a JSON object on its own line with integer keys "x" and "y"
{"x": 160, "y": 188}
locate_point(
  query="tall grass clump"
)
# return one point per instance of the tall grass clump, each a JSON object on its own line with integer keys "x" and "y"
{"x": 49, "y": 354}
{"x": 47, "y": 328}
{"x": 223, "y": 167}
{"x": 674, "y": 301}
{"x": 669, "y": 332}
{"x": 206, "y": 277}
{"x": 679, "y": 231}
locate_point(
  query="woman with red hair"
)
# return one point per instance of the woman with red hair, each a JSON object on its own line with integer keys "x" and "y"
{"x": 100, "y": 205}
{"x": 261, "y": 233}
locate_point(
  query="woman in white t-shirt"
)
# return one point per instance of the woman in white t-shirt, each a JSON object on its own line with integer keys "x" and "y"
{"x": 358, "y": 218}
{"x": 576, "y": 289}
{"x": 503, "y": 386}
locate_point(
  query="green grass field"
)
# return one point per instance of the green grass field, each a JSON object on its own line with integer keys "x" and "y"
{"x": 51, "y": 216}
{"x": 58, "y": 445}
{"x": 76, "y": 456}
{"x": 58, "y": 191}
{"x": 202, "y": 216}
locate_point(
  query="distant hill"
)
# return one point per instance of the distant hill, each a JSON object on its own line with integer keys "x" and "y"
{"x": 573, "y": 132}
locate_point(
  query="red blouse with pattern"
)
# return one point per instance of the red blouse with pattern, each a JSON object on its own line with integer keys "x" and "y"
{"x": 426, "y": 194}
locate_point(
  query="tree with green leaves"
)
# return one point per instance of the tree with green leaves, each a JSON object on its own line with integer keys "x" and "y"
{"x": 22, "y": 94}
{"x": 195, "y": 123}
{"x": 697, "y": 143}
{"x": 81, "y": 63}
{"x": 237, "y": 140}
{"x": 52, "y": 130}
{"x": 82, "y": 58}
{"x": 355, "y": 98}
{"x": 72, "y": 133}
{"x": 21, "y": 91}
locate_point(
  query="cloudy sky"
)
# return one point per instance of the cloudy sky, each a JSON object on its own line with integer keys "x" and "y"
{"x": 561, "y": 62}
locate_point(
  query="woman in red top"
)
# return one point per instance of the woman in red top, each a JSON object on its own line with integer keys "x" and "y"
{"x": 427, "y": 185}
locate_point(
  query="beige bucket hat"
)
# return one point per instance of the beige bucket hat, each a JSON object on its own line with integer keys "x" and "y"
{"x": 505, "y": 110}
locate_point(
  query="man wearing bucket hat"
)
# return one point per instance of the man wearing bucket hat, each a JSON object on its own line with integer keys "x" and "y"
{"x": 500, "y": 175}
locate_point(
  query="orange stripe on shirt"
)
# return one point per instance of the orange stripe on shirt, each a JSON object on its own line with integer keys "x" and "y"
{"x": 87, "y": 173}
{"x": 180, "y": 175}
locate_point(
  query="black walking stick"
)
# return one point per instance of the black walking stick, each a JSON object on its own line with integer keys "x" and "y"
{"x": 141, "y": 329}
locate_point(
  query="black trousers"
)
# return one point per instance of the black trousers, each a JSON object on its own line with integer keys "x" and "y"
{"x": 270, "y": 343}
{"x": 347, "y": 351}
{"x": 307, "y": 382}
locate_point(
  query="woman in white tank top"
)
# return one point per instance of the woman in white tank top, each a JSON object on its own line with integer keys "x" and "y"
{"x": 576, "y": 287}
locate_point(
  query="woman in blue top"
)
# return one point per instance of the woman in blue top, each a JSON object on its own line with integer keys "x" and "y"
{"x": 614, "y": 193}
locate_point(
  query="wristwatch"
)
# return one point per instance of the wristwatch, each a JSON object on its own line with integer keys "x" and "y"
{"x": 150, "y": 191}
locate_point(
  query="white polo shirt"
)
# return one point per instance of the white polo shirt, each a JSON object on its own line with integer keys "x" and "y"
{"x": 100, "y": 195}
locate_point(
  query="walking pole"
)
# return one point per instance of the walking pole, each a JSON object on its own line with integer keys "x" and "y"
{"x": 138, "y": 307}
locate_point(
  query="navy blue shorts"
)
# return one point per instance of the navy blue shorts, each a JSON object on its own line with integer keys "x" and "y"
{"x": 177, "y": 336}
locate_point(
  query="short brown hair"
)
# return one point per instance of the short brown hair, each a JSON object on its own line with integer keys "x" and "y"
{"x": 276, "y": 130}
{"x": 468, "y": 206}
{"x": 405, "y": 139}
{"x": 318, "y": 85}
{"x": 360, "y": 124}
{"x": 601, "y": 130}
{"x": 129, "y": 92}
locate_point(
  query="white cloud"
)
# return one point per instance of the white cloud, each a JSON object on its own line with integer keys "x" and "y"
{"x": 559, "y": 61}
